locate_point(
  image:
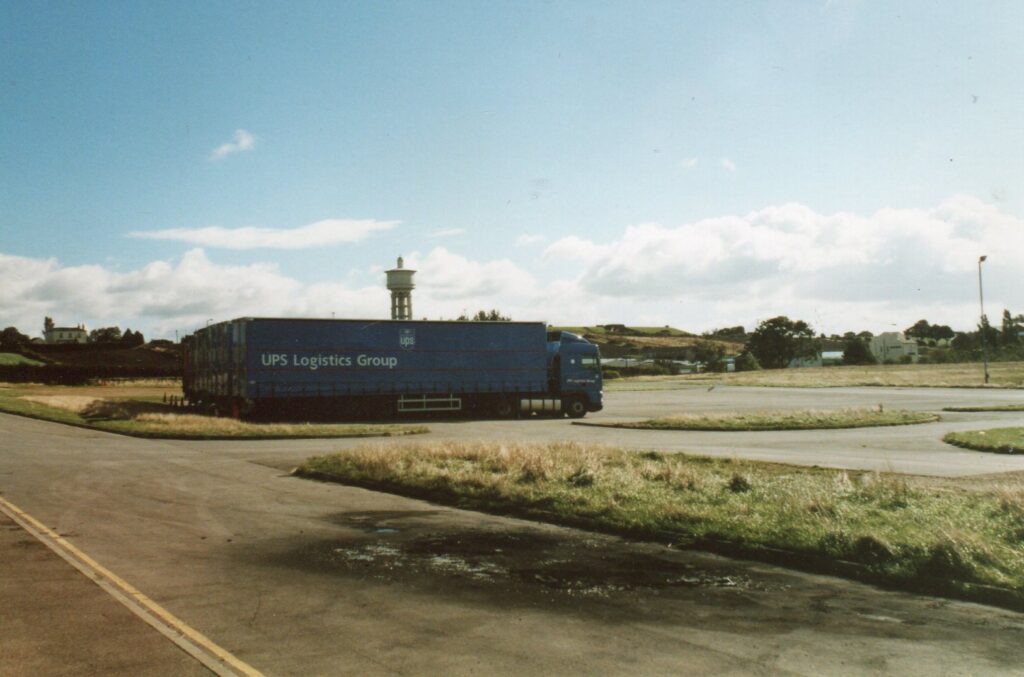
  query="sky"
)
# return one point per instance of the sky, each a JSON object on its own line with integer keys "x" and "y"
{"x": 693, "y": 164}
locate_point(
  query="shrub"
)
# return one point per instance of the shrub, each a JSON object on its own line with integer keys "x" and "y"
{"x": 747, "y": 362}
{"x": 739, "y": 484}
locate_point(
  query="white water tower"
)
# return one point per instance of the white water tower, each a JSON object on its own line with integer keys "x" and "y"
{"x": 400, "y": 285}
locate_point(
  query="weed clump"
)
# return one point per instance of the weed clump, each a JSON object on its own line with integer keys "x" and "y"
{"x": 739, "y": 484}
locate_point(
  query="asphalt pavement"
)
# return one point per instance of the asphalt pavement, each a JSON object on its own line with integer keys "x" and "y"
{"x": 301, "y": 577}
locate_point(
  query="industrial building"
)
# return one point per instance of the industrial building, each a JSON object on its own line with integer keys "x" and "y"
{"x": 893, "y": 346}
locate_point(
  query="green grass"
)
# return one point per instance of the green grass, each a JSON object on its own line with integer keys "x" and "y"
{"x": 9, "y": 359}
{"x": 991, "y": 407}
{"x": 780, "y": 420}
{"x": 143, "y": 414}
{"x": 997, "y": 440}
{"x": 875, "y": 527}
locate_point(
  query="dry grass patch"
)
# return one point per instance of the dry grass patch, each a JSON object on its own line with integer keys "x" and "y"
{"x": 780, "y": 420}
{"x": 195, "y": 426}
{"x": 895, "y": 530}
{"x": 73, "y": 403}
{"x": 139, "y": 410}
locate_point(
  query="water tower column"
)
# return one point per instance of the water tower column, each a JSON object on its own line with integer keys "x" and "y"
{"x": 400, "y": 285}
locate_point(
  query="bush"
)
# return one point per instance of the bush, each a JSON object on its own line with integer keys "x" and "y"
{"x": 656, "y": 369}
{"x": 856, "y": 351}
{"x": 747, "y": 362}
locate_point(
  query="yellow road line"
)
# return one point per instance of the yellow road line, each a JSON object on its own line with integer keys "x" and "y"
{"x": 217, "y": 659}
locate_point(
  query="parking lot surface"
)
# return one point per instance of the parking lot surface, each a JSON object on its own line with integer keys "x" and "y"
{"x": 301, "y": 577}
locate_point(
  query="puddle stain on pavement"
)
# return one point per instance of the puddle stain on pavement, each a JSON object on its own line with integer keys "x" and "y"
{"x": 614, "y": 580}
{"x": 388, "y": 550}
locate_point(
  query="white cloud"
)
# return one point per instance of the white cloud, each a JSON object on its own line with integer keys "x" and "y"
{"x": 447, "y": 232}
{"x": 893, "y": 266}
{"x": 689, "y": 163}
{"x": 318, "y": 234}
{"x": 163, "y": 295}
{"x": 573, "y": 248}
{"x": 444, "y": 275}
{"x": 727, "y": 164}
{"x": 838, "y": 271}
{"x": 243, "y": 141}
{"x": 527, "y": 240}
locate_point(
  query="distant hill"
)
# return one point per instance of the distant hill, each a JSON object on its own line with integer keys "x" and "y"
{"x": 616, "y": 340}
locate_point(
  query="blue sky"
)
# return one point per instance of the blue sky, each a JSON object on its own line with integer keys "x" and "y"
{"x": 693, "y": 164}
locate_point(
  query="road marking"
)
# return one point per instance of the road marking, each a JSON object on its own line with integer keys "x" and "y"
{"x": 200, "y": 647}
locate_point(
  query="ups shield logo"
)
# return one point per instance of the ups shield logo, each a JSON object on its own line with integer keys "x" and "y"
{"x": 407, "y": 338}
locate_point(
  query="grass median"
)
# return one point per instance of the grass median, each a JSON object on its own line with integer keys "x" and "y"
{"x": 778, "y": 420}
{"x": 992, "y": 407}
{"x": 960, "y": 375}
{"x": 996, "y": 440}
{"x": 140, "y": 411}
{"x": 876, "y": 527}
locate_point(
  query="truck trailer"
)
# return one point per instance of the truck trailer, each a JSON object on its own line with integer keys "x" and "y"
{"x": 323, "y": 369}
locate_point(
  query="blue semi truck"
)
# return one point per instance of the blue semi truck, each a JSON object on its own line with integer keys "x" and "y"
{"x": 333, "y": 369}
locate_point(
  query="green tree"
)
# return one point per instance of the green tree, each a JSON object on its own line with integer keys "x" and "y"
{"x": 747, "y": 362}
{"x": 105, "y": 335}
{"x": 920, "y": 330}
{"x": 777, "y": 341}
{"x": 12, "y": 340}
{"x": 990, "y": 333}
{"x": 737, "y": 333}
{"x": 855, "y": 351}
{"x": 132, "y": 339}
{"x": 484, "y": 316}
{"x": 1010, "y": 335}
{"x": 710, "y": 354}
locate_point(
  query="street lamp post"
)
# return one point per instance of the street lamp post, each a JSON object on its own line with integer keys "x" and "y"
{"x": 981, "y": 299}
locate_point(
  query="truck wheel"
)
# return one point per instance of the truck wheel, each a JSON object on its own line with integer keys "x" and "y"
{"x": 575, "y": 408}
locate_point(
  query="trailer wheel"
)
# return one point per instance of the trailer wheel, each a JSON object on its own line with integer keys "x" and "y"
{"x": 503, "y": 409}
{"x": 575, "y": 408}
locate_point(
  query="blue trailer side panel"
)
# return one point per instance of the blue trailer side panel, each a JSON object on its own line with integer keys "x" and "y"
{"x": 329, "y": 358}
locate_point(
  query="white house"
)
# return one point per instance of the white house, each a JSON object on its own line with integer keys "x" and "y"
{"x": 66, "y": 335}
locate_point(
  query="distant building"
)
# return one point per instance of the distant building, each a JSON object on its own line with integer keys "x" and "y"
{"x": 805, "y": 361}
{"x": 66, "y": 335}
{"x": 823, "y": 358}
{"x": 893, "y": 346}
{"x": 831, "y": 358}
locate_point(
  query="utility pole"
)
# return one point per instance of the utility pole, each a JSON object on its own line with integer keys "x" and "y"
{"x": 984, "y": 322}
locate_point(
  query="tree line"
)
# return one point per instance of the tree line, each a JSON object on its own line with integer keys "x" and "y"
{"x": 12, "y": 340}
{"x": 776, "y": 342}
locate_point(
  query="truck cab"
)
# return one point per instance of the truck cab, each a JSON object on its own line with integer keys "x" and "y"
{"x": 575, "y": 372}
